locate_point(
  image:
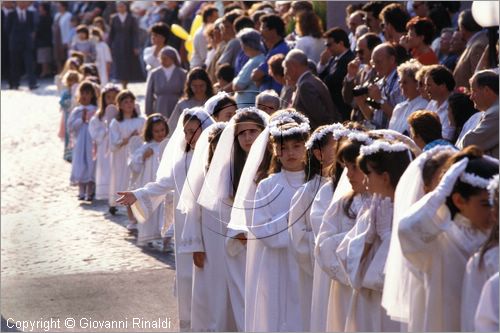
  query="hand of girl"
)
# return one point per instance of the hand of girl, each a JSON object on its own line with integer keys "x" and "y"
{"x": 199, "y": 259}
{"x": 242, "y": 238}
{"x": 133, "y": 133}
{"x": 126, "y": 198}
{"x": 84, "y": 114}
{"x": 383, "y": 218}
{"x": 125, "y": 142}
{"x": 447, "y": 183}
{"x": 147, "y": 154}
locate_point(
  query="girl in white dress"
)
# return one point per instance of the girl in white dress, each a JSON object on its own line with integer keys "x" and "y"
{"x": 144, "y": 164}
{"x": 83, "y": 164}
{"x": 126, "y": 125}
{"x": 441, "y": 231}
{"x": 276, "y": 304}
{"x": 203, "y": 239}
{"x": 321, "y": 152}
{"x": 171, "y": 176}
{"x": 99, "y": 130}
{"x": 218, "y": 193}
{"x": 481, "y": 266}
{"x": 338, "y": 219}
{"x": 103, "y": 56}
{"x": 363, "y": 251}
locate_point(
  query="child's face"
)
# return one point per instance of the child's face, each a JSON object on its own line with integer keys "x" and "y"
{"x": 378, "y": 183}
{"x": 159, "y": 131}
{"x": 246, "y": 133}
{"x": 83, "y": 36}
{"x": 226, "y": 113}
{"x": 192, "y": 131}
{"x": 85, "y": 97}
{"x": 292, "y": 154}
{"x": 327, "y": 153}
{"x": 356, "y": 177}
{"x": 127, "y": 106}
{"x": 476, "y": 208}
{"x": 110, "y": 97}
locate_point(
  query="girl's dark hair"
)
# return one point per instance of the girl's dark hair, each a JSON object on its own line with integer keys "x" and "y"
{"x": 185, "y": 120}
{"x": 477, "y": 165}
{"x": 87, "y": 86}
{"x": 394, "y": 163}
{"x": 213, "y": 138}
{"x": 432, "y": 165}
{"x": 309, "y": 24}
{"x": 152, "y": 119}
{"x": 348, "y": 152}
{"x": 102, "y": 101}
{"x": 315, "y": 166}
{"x": 122, "y": 95}
{"x": 162, "y": 29}
{"x": 239, "y": 155}
{"x": 223, "y": 103}
{"x": 276, "y": 165}
{"x": 198, "y": 73}
{"x": 82, "y": 28}
{"x": 462, "y": 108}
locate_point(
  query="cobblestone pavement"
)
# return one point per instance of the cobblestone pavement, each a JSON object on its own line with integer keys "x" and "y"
{"x": 48, "y": 235}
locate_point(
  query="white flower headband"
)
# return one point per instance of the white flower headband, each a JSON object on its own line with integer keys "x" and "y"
{"x": 383, "y": 146}
{"x": 255, "y": 110}
{"x": 317, "y": 136}
{"x": 218, "y": 126}
{"x": 340, "y": 133}
{"x": 360, "y": 137}
{"x": 302, "y": 128}
{"x": 288, "y": 116}
{"x": 492, "y": 188}
{"x": 475, "y": 180}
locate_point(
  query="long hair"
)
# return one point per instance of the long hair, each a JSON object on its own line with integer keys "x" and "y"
{"x": 316, "y": 166}
{"x": 198, "y": 73}
{"x": 153, "y": 119}
{"x": 240, "y": 156}
{"x": 186, "y": 119}
{"x": 87, "y": 86}
{"x": 122, "y": 95}
{"x": 102, "y": 100}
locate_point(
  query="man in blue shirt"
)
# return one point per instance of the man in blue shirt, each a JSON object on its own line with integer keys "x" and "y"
{"x": 272, "y": 29}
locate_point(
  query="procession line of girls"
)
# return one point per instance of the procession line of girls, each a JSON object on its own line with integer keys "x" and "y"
{"x": 281, "y": 229}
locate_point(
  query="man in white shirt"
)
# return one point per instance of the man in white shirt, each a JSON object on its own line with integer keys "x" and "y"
{"x": 439, "y": 84}
{"x": 209, "y": 14}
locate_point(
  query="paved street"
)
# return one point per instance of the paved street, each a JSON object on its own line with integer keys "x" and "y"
{"x": 61, "y": 258}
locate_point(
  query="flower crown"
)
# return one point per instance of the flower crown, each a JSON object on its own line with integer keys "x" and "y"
{"x": 379, "y": 145}
{"x": 475, "y": 180}
{"x": 317, "y": 136}
{"x": 492, "y": 188}
{"x": 218, "y": 126}
{"x": 341, "y": 133}
{"x": 255, "y": 110}
{"x": 286, "y": 116}
{"x": 275, "y": 131}
{"x": 360, "y": 137}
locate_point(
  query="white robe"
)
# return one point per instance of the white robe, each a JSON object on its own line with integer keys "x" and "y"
{"x": 365, "y": 272}
{"x": 148, "y": 199}
{"x": 439, "y": 247}
{"x": 143, "y": 172}
{"x": 120, "y": 173}
{"x": 272, "y": 302}
{"x": 99, "y": 132}
{"x": 210, "y": 307}
{"x": 302, "y": 242}
{"x": 333, "y": 229}
{"x": 476, "y": 274}
{"x": 487, "y": 309}
{"x": 321, "y": 280}
{"x": 103, "y": 57}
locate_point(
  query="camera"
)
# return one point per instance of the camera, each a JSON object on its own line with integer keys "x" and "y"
{"x": 359, "y": 90}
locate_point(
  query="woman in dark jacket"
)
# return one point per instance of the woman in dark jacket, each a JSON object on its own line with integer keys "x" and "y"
{"x": 123, "y": 40}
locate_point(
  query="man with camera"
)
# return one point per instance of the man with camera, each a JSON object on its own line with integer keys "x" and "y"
{"x": 381, "y": 97}
{"x": 360, "y": 74}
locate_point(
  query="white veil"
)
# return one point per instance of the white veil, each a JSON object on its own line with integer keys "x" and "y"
{"x": 218, "y": 186}
{"x": 397, "y": 284}
{"x": 197, "y": 170}
{"x": 175, "y": 151}
{"x": 212, "y": 102}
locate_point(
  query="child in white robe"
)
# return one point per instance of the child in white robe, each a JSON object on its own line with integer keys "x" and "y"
{"x": 122, "y": 128}
{"x": 486, "y": 319}
{"x": 171, "y": 176}
{"x": 99, "y": 131}
{"x": 144, "y": 164}
{"x": 338, "y": 219}
{"x": 218, "y": 193}
{"x": 481, "y": 266}
{"x": 321, "y": 152}
{"x": 276, "y": 305}
{"x": 83, "y": 164}
{"x": 442, "y": 230}
{"x": 363, "y": 251}
{"x": 103, "y": 56}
